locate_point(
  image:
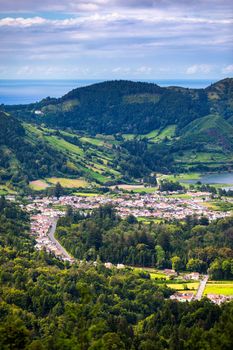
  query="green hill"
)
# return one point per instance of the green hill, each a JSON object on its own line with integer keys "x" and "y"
{"x": 118, "y": 107}
{"x": 118, "y": 131}
{"x": 212, "y": 129}
{"x": 220, "y": 96}
{"x": 129, "y": 107}
{"x": 25, "y": 157}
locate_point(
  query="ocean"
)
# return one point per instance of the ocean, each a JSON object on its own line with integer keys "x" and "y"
{"x": 28, "y": 91}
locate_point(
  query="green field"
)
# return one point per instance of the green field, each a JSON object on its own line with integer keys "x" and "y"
{"x": 128, "y": 136}
{"x": 38, "y": 185}
{"x": 82, "y": 194}
{"x": 180, "y": 177}
{"x": 154, "y": 274}
{"x": 145, "y": 189}
{"x": 155, "y": 135}
{"x": 93, "y": 156}
{"x": 184, "y": 286}
{"x": 219, "y": 287}
{"x": 152, "y": 134}
{"x": 219, "y": 205}
{"x": 4, "y": 190}
{"x": 63, "y": 145}
{"x": 147, "y": 220}
{"x": 136, "y": 188}
{"x": 167, "y": 132}
{"x": 68, "y": 183}
{"x": 92, "y": 141}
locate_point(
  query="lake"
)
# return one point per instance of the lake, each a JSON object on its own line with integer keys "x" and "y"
{"x": 218, "y": 178}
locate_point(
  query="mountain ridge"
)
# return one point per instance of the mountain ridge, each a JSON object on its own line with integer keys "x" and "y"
{"x": 120, "y": 137}
{"x": 129, "y": 107}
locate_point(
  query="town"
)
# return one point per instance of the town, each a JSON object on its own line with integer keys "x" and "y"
{"x": 44, "y": 213}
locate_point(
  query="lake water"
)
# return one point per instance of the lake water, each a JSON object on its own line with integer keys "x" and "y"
{"x": 221, "y": 178}
{"x": 28, "y": 91}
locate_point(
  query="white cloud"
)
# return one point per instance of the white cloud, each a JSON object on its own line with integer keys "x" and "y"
{"x": 121, "y": 70}
{"x": 143, "y": 70}
{"x": 199, "y": 68}
{"x": 149, "y": 17}
{"x": 228, "y": 69}
{"x": 131, "y": 37}
{"x": 22, "y": 22}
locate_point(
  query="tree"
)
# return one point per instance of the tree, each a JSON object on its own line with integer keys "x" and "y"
{"x": 196, "y": 265}
{"x": 131, "y": 219}
{"x": 176, "y": 263}
{"x": 215, "y": 270}
{"x": 160, "y": 256}
{"x": 58, "y": 190}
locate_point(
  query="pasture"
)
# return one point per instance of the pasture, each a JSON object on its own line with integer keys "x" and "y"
{"x": 68, "y": 183}
{"x": 38, "y": 185}
{"x": 219, "y": 287}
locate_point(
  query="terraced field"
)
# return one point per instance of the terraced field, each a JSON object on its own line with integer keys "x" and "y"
{"x": 90, "y": 156}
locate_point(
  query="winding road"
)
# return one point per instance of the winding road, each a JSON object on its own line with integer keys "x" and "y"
{"x": 58, "y": 245}
{"x": 201, "y": 288}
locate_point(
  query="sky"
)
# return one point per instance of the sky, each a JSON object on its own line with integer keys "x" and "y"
{"x": 116, "y": 39}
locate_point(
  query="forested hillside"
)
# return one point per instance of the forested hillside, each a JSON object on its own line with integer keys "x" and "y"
{"x": 45, "y": 304}
{"x": 118, "y": 131}
{"x": 24, "y": 158}
{"x": 129, "y": 107}
{"x": 198, "y": 245}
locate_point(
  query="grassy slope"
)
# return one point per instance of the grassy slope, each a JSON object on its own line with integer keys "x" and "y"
{"x": 216, "y": 137}
{"x": 92, "y": 157}
{"x": 212, "y": 128}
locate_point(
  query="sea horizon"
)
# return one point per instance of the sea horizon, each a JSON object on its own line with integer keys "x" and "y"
{"x": 24, "y": 91}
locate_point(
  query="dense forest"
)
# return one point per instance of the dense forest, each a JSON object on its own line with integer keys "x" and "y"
{"x": 46, "y": 304}
{"x": 195, "y": 245}
{"x": 129, "y": 107}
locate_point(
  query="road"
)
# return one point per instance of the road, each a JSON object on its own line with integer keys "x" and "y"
{"x": 201, "y": 288}
{"x": 58, "y": 245}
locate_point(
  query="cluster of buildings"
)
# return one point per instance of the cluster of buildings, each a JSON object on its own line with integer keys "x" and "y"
{"x": 155, "y": 205}
{"x": 109, "y": 265}
{"x": 219, "y": 299}
{"x": 43, "y": 225}
{"x": 215, "y": 298}
{"x": 45, "y": 212}
{"x": 158, "y": 205}
{"x": 183, "y": 296}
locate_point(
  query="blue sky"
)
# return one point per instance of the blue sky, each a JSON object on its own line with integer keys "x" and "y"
{"x": 113, "y": 39}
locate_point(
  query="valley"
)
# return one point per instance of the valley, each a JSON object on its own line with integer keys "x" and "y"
{"x": 116, "y": 175}
{"x": 45, "y": 213}
{"x": 116, "y": 204}
{"x": 96, "y": 138}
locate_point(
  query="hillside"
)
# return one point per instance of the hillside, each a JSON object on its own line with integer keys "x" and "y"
{"x": 220, "y": 96}
{"x": 25, "y": 157}
{"x": 211, "y": 129}
{"x": 46, "y": 304}
{"x": 118, "y": 106}
{"x": 30, "y": 153}
{"x": 129, "y": 107}
{"x": 117, "y": 131}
